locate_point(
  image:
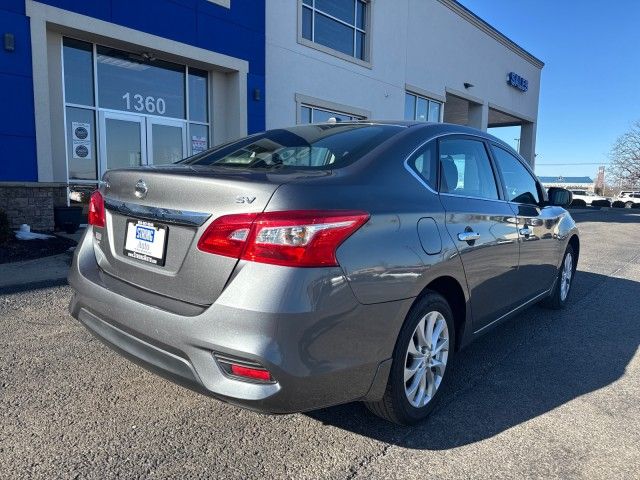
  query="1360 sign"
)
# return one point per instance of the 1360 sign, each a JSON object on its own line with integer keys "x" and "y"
{"x": 147, "y": 104}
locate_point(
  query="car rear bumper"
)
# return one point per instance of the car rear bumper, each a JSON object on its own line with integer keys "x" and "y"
{"x": 321, "y": 346}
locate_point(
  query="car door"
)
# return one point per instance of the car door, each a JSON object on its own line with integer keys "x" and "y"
{"x": 537, "y": 224}
{"x": 481, "y": 224}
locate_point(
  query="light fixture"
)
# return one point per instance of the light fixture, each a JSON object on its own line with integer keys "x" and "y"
{"x": 148, "y": 56}
{"x": 9, "y": 42}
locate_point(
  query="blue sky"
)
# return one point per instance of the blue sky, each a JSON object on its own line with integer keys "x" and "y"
{"x": 590, "y": 90}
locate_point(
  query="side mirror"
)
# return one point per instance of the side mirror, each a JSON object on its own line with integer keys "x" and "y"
{"x": 560, "y": 197}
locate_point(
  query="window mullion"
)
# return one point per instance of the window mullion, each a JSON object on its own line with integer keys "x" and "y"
{"x": 355, "y": 29}
{"x": 336, "y": 19}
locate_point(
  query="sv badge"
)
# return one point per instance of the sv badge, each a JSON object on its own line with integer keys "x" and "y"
{"x": 241, "y": 199}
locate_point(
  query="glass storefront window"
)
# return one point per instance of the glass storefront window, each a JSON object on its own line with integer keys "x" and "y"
{"x": 338, "y": 24}
{"x": 318, "y": 115}
{"x": 130, "y": 109}
{"x": 422, "y": 106}
{"x": 409, "y": 106}
{"x": 81, "y": 143}
{"x": 434, "y": 111}
{"x": 198, "y": 99}
{"x": 305, "y": 115}
{"x": 198, "y": 137}
{"x": 124, "y": 143}
{"x": 167, "y": 144}
{"x": 421, "y": 109}
{"x": 126, "y": 81}
{"x": 78, "y": 72}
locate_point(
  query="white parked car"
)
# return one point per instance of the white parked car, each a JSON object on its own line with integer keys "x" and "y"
{"x": 628, "y": 199}
{"x": 582, "y": 198}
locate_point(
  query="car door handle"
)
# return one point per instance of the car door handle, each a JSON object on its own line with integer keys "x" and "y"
{"x": 468, "y": 236}
{"x": 526, "y": 231}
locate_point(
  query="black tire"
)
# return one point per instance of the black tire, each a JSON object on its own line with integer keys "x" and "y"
{"x": 555, "y": 300}
{"x": 628, "y": 205}
{"x": 395, "y": 406}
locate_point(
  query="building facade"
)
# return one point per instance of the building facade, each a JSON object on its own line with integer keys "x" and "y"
{"x": 415, "y": 59}
{"x": 89, "y": 86}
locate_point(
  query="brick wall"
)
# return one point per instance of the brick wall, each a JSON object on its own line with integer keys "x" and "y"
{"x": 32, "y": 204}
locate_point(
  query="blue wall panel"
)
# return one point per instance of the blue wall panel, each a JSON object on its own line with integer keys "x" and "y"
{"x": 238, "y": 32}
{"x": 16, "y": 6}
{"x": 17, "y": 128}
{"x": 16, "y": 98}
{"x": 165, "y": 18}
{"x": 18, "y": 159}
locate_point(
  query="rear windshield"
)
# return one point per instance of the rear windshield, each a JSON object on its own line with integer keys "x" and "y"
{"x": 307, "y": 147}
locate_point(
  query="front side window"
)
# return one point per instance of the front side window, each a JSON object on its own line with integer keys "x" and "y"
{"x": 421, "y": 109}
{"x": 337, "y": 24}
{"x": 310, "y": 114}
{"x": 466, "y": 169}
{"x": 519, "y": 184}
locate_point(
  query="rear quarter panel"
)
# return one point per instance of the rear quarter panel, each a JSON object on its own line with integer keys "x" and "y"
{"x": 384, "y": 260}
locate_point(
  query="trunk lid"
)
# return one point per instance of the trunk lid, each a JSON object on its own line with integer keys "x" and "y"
{"x": 185, "y": 200}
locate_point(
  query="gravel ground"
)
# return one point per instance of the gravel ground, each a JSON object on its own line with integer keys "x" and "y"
{"x": 549, "y": 394}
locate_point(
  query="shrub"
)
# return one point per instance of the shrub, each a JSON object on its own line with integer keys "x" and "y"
{"x": 5, "y": 230}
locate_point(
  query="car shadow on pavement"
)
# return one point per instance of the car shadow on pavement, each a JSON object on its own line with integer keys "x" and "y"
{"x": 532, "y": 364}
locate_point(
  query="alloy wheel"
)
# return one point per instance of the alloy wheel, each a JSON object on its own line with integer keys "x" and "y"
{"x": 565, "y": 277}
{"x": 426, "y": 359}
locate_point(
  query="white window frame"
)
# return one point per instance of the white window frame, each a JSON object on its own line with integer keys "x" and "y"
{"x": 366, "y": 62}
{"x": 429, "y": 101}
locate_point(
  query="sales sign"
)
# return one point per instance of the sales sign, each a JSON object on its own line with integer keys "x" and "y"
{"x": 517, "y": 81}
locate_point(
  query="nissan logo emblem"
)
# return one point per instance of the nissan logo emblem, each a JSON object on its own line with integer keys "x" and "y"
{"x": 141, "y": 189}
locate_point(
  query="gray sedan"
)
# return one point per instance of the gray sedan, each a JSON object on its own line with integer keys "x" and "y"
{"x": 316, "y": 265}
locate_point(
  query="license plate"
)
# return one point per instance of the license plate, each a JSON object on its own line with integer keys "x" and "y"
{"x": 146, "y": 241}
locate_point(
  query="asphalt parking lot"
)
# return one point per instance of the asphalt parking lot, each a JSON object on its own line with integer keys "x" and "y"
{"x": 549, "y": 394}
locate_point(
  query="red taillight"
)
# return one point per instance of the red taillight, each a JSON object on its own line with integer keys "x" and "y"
{"x": 253, "y": 373}
{"x": 227, "y": 235}
{"x": 293, "y": 238}
{"x": 96, "y": 210}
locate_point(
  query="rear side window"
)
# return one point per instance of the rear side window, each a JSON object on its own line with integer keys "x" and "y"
{"x": 519, "y": 184}
{"x": 303, "y": 147}
{"x": 423, "y": 162}
{"x": 466, "y": 170}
